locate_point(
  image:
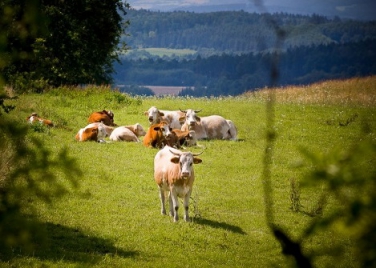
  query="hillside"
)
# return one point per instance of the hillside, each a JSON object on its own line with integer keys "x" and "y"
{"x": 237, "y": 32}
{"x": 349, "y": 9}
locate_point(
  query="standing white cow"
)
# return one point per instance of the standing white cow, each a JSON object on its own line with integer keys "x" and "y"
{"x": 209, "y": 127}
{"x": 173, "y": 118}
{"x": 174, "y": 173}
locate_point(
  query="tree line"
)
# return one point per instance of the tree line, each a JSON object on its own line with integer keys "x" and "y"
{"x": 238, "y": 31}
{"x": 235, "y": 74}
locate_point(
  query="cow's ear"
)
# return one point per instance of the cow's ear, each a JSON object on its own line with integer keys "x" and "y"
{"x": 198, "y": 118}
{"x": 175, "y": 159}
{"x": 156, "y": 128}
{"x": 196, "y": 160}
{"x": 182, "y": 119}
{"x": 146, "y": 113}
{"x": 161, "y": 114}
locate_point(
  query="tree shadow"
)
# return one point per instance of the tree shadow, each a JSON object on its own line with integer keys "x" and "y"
{"x": 220, "y": 225}
{"x": 73, "y": 245}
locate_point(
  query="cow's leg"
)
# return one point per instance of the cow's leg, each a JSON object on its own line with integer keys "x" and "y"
{"x": 171, "y": 204}
{"x": 162, "y": 198}
{"x": 175, "y": 204}
{"x": 186, "y": 206}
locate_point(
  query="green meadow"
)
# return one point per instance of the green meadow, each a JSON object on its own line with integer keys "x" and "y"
{"x": 160, "y": 52}
{"x": 112, "y": 217}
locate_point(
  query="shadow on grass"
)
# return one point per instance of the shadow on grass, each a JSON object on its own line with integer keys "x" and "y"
{"x": 220, "y": 225}
{"x": 63, "y": 243}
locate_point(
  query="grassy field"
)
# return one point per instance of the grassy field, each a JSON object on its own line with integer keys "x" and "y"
{"x": 160, "y": 52}
{"x": 113, "y": 218}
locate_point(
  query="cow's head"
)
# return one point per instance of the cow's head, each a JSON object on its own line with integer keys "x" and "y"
{"x": 33, "y": 117}
{"x": 154, "y": 115}
{"x": 102, "y": 133}
{"x": 110, "y": 114}
{"x": 164, "y": 128}
{"x": 139, "y": 130}
{"x": 191, "y": 117}
{"x": 186, "y": 161}
{"x": 191, "y": 138}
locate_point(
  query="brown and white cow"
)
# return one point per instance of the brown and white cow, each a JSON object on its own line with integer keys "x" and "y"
{"x": 33, "y": 118}
{"x": 187, "y": 138}
{"x": 92, "y": 133}
{"x": 108, "y": 129}
{"x": 209, "y": 127}
{"x": 107, "y": 117}
{"x": 174, "y": 173}
{"x": 128, "y": 133}
{"x": 174, "y": 118}
{"x": 157, "y": 135}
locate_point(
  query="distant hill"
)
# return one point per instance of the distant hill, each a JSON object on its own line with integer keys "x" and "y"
{"x": 238, "y": 31}
{"x": 349, "y": 9}
{"x": 231, "y": 52}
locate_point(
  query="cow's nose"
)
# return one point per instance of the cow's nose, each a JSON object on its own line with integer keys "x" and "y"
{"x": 150, "y": 118}
{"x": 185, "y": 174}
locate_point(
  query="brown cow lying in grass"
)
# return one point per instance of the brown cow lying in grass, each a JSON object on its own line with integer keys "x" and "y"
{"x": 156, "y": 135}
{"x": 106, "y": 117}
{"x": 93, "y": 132}
{"x": 33, "y": 118}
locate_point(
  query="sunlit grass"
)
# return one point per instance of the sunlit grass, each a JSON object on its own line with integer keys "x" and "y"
{"x": 355, "y": 91}
{"x": 113, "y": 219}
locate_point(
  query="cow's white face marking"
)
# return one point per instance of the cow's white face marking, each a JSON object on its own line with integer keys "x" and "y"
{"x": 101, "y": 131}
{"x": 153, "y": 113}
{"x": 166, "y": 132}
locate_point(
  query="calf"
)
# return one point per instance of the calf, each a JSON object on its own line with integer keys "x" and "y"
{"x": 92, "y": 133}
{"x": 174, "y": 173}
{"x": 209, "y": 127}
{"x": 173, "y": 118}
{"x": 156, "y": 135}
{"x": 35, "y": 118}
{"x": 106, "y": 117}
{"x": 187, "y": 137}
{"x": 128, "y": 133}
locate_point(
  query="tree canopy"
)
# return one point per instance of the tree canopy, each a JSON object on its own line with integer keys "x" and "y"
{"x": 77, "y": 43}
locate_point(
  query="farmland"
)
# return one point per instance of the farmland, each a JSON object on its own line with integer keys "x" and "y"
{"x": 112, "y": 218}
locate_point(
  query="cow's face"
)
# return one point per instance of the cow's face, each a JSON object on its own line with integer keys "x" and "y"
{"x": 154, "y": 115}
{"x": 186, "y": 161}
{"x": 165, "y": 129}
{"x": 140, "y": 130}
{"x": 191, "y": 117}
{"x": 101, "y": 131}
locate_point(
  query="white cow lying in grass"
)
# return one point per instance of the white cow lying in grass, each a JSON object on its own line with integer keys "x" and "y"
{"x": 173, "y": 118}
{"x": 128, "y": 133}
{"x": 209, "y": 127}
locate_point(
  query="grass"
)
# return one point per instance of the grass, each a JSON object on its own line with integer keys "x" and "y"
{"x": 113, "y": 219}
{"x": 160, "y": 52}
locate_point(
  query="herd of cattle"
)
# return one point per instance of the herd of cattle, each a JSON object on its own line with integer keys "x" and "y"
{"x": 168, "y": 131}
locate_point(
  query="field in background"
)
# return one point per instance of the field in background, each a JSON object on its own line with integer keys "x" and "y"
{"x": 113, "y": 219}
{"x": 160, "y": 52}
{"x": 165, "y": 90}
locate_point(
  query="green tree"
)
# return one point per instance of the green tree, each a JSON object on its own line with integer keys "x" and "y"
{"x": 77, "y": 42}
{"x": 29, "y": 173}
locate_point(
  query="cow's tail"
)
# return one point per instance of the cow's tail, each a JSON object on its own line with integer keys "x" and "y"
{"x": 233, "y": 132}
